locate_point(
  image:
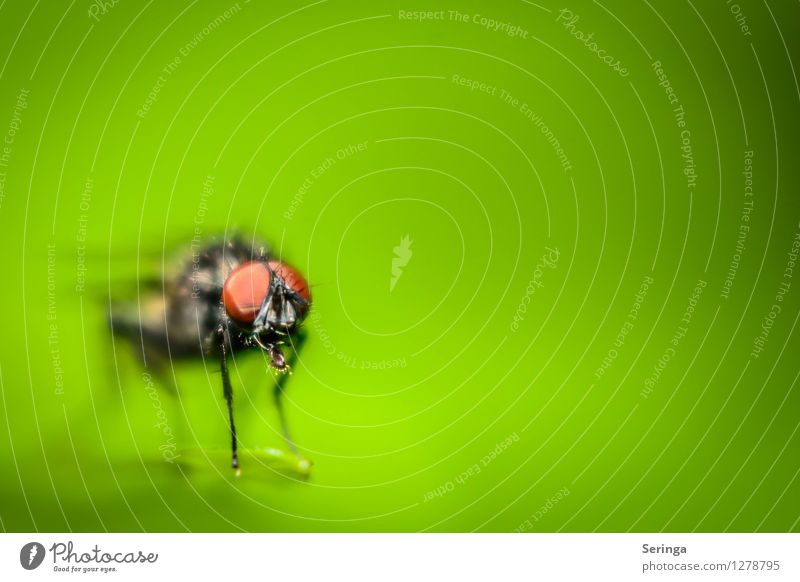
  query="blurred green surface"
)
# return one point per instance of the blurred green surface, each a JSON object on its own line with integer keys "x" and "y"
{"x": 466, "y": 397}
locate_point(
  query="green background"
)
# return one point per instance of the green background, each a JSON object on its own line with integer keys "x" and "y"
{"x": 400, "y": 393}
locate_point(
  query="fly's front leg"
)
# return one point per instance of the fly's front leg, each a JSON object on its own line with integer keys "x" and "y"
{"x": 278, "y": 361}
{"x": 228, "y": 391}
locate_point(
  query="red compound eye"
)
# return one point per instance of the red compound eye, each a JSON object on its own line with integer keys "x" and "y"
{"x": 245, "y": 290}
{"x": 293, "y": 279}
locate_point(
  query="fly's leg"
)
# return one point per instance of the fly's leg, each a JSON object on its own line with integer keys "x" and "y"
{"x": 228, "y": 391}
{"x": 278, "y": 361}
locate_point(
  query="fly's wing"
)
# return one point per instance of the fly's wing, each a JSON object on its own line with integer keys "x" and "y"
{"x": 142, "y": 322}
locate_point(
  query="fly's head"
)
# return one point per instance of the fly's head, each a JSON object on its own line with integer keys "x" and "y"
{"x": 266, "y": 300}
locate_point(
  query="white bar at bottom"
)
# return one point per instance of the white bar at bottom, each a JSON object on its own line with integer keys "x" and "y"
{"x": 406, "y": 557}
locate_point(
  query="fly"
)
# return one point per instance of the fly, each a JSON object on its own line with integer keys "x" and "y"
{"x": 230, "y": 297}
